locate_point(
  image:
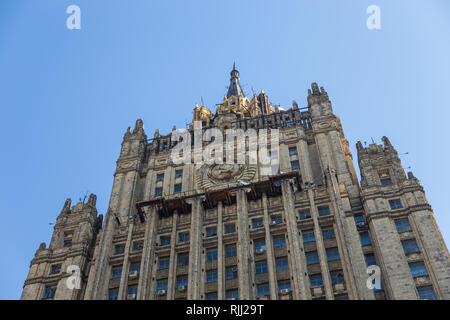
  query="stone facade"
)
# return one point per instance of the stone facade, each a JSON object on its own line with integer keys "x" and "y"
{"x": 308, "y": 230}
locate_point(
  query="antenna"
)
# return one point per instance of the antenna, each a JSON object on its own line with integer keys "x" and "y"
{"x": 203, "y": 104}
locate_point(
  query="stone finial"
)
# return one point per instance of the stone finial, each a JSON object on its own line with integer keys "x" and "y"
{"x": 127, "y": 134}
{"x": 386, "y": 142}
{"x": 156, "y": 135}
{"x": 42, "y": 246}
{"x": 139, "y": 126}
{"x": 359, "y": 146}
{"x": 294, "y": 104}
{"x": 92, "y": 200}
{"x": 66, "y": 208}
{"x": 174, "y": 128}
{"x": 411, "y": 176}
{"x": 315, "y": 88}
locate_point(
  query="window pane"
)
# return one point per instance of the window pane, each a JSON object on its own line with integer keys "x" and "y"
{"x": 211, "y": 276}
{"x": 256, "y": 223}
{"x": 402, "y": 225}
{"x": 163, "y": 263}
{"x": 279, "y": 242}
{"x": 312, "y": 258}
{"x": 316, "y": 280}
{"x": 261, "y": 267}
{"x": 337, "y": 277}
{"x": 308, "y": 236}
{"x": 410, "y": 246}
{"x": 285, "y": 284}
{"x": 333, "y": 254}
{"x": 304, "y": 214}
{"x": 230, "y": 250}
{"x": 295, "y": 165}
{"x": 282, "y": 264}
{"x": 328, "y": 233}
{"x": 211, "y": 254}
{"x": 211, "y": 232}
{"x": 395, "y": 204}
{"x": 113, "y": 294}
{"x": 426, "y": 293}
{"x": 263, "y": 290}
{"x": 324, "y": 211}
{"x": 232, "y": 294}
{"x": 418, "y": 269}
{"x": 365, "y": 239}
{"x": 230, "y": 228}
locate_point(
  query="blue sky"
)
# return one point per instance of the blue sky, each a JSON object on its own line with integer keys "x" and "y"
{"x": 67, "y": 96}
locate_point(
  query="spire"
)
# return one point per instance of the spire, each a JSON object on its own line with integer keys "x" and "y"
{"x": 235, "y": 87}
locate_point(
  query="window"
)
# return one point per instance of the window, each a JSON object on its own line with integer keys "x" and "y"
{"x": 165, "y": 146}
{"x": 284, "y": 284}
{"x": 261, "y": 267}
{"x": 177, "y": 188}
{"x": 312, "y": 258}
{"x": 132, "y": 289}
{"x": 304, "y": 214}
{"x": 67, "y": 243}
{"x": 158, "y": 192}
{"x": 418, "y": 269}
{"x": 359, "y": 218}
{"x": 386, "y": 182}
{"x": 138, "y": 245}
{"x": 113, "y": 294}
{"x": 403, "y": 225}
{"x": 308, "y": 236}
{"x": 183, "y": 237}
{"x": 211, "y": 231}
{"x": 256, "y": 223}
{"x": 259, "y": 246}
{"x": 292, "y": 151}
{"x": 163, "y": 240}
{"x": 183, "y": 259}
{"x": 328, "y": 233}
{"x": 56, "y": 268}
{"x": 211, "y": 296}
{"x": 182, "y": 281}
{"x": 232, "y": 294}
{"x": 279, "y": 242}
{"x": 116, "y": 272}
{"x": 160, "y": 177}
{"x": 49, "y": 292}
{"x": 333, "y": 254}
{"x": 410, "y": 246}
{"x": 316, "y": 280}
{"x": 282, "y": 264}
{"x": 230, "y": 228}
{"x": 211, "y": 276}
{"x": 370, "y": 259}
{"x": 324, "y": 211}
{"x": 230, "y": 250}
{"x": 262, "y": 290}
{"x": 163, "y": 263}
{"x": 231, "y": 272}
{"x": 135, "y": 267}
{"x": 178, "y": 173}
{"x": 277, "y": 219}
{"x": 295, "y": 165}
{"x": 211, "y": 254}
{"x": 365, "y": 239}
{"x": 395, "y": 204}
{"x": 426, "y": 293}
{"x": 337, "y": 276}
{"x": 119, "y": 249}
{"x": 161, "y": 285}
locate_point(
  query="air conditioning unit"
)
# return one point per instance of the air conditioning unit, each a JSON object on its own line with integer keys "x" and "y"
{"x": 235, "y": 269}
{"x": 131, "y": 296}
{"x": 317, "y": 291}
{"x": 260, "y": 251}
{"x": 284, "y": 291}
{"x": 182, "y": 288}
{"x": 232, "y": 298}
{"x": 339, "y": 287}
{"x": 273, "y": 222}
{"x": 161, "y": 292}
{"x": 133, "y": 274}
{"x": 361, "y": 225}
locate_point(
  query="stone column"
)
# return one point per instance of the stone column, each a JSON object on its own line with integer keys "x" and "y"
{"x": 243, "y": 246}
{"x": 270, "y": 254}
{"x": 300, "y": 286}
{"x": 195, "y": 250}
{"x": 172, "y": 267}
{"x": 148, "y": 254}
{"x": 220, "y": 255}
{"x": 124, "y": 277}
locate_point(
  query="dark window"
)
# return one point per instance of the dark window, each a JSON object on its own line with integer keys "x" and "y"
{"x": 119, "y": 249}
{"x": 183, "y": 259}
{"x": 292, "y": 150}
{"x": 426, "y": 293}
{"x": 324, "y": 211}
{"x": 161, "y": 285}
{"x": 316, "y": 280}
{"x": 256, "y": 223}
{"x": 403, "y": 225}
{"x": 333, "y": 254}
{"x": 328, "y": 233}
{"x": 158, "y": 192}
{"x": 56, "y": 268}
{"x": 211, "y": 276}
{"x": 138, "y": 245}
{"x": 395, "y": 204}
{"x": 135, "y": 267}
{"x": 261, "y": 267}
{"x": 163, "y": 240}
{"x": 304, "y": 214}
{"x": 183, "y": 237}
{"x": 116, "y": 272}
{"x": 279, "y": 242}
{"x": 230, "y": 228}
{"x": 418, "y": 269}
{"x": 370, "y": 259}
{"x": 282, "y": 263}
{"x": 284, "y": 284}
{"x": 410, "y": 246}
{"x": 359, "y": 218}
{"x": 160, "y": 177}
{"x": 211, "y": 296}
{"x": 337, "y": 276}
{"x": 67, "y": 243}
{"x": 182, "y": 281}
{"x": 230, "y": 250}
{"x": 211, "y": 254}
{"x": 177, "y": 188}
{"x": 113, "y": 294}
{"x": 308, "y": 236}
{"x": 386, "y": 182}
{"x": 263, "y": 290}
{"x": 211, "y": 232}
{"x": 49, "y": 292}
{"x": 132, "y": 290}
{"x": 277, "y": 219}
{"x": 231, "y": 272}
{"x": 295, "y": 165}
{"x": 163, "y": 263}
{"x": 312, "y": 258}
{"x": 259, "y": 246}
{"x": 365, "y": 239}
{"x": 165, "y": 146}
{"x": 232, "y": 294}
{"x": 178, "y": 173}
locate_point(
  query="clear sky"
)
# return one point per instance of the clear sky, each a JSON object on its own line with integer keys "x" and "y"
{"x": 67, "y": 96}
